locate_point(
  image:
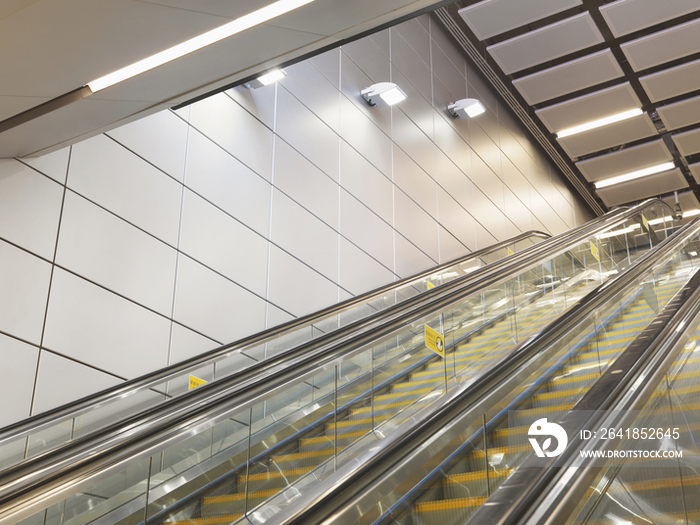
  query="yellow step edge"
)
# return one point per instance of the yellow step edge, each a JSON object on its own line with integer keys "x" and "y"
{"x": 303, "y": 455}
{"x": 473, "y": 476}
{"x": 448, "y": 504}
{"x": 325, "y": 439}
{"x": 276, "y": 474}
{"x": 230, "y": 498}
{"x": 657, "y": 484}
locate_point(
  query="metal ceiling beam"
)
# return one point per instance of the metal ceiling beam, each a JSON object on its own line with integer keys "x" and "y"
{"x": 476, "y": 57}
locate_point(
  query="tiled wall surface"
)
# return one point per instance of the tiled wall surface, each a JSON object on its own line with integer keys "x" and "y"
{"x": 190, "y": 229}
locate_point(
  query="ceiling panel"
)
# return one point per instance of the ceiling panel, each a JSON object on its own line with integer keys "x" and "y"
{"x": 66, "y": 44}
{"x": 625, "y": 161}
{"x": 547, "y": 43}
{"x": 695, "y": 170}
{"x": 608, "y": 136}
{"x": 66, "y": 124}
{"x": 627, "y": 16}
{"x": 664, "y": 46}
{"x": 49, "y": 48}
{"x": 10, "y": 106}
{"x": 672, "y": 82}
{"x": 590, "y": 107}
{"x": 493, "y": 17}
{"x": 688, "y": 143}
{"x": 681, "y": 114}
{"x": 563, "y": 79}
{"x": 643, "y": 188}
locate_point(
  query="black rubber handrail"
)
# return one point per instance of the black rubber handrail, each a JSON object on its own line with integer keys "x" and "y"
{"x": 347, "y": 490}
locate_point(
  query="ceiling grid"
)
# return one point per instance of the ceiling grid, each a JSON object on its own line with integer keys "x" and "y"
{"x": 600, "y": 80}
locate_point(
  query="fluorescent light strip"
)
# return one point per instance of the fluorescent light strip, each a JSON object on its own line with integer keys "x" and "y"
{"x": 236, "y": 26}
{"x": 635, "y": 175}
{"x": 613, "y": 233}
{"x": 598, "y": 123}
{"x": 691, "y": 213}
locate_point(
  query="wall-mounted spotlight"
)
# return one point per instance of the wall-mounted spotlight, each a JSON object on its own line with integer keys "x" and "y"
{"x": 383, "y": 94}
{"x": 268, "y": 78}
{"x": 467, "y": 107}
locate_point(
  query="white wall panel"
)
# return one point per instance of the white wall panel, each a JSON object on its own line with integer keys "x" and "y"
{"x": 416, "y": 225}
{"x": 194, "y": 228}
{"x": 112, "y": 253}
{"x": 298, "y": 232}
{"x": 358, "y": 272}
{"x": 224, "y": 181}
{"x": 366, "y": 183}
{"x": 296, "y": 287}
{"x": 222, "y": 243}
{"x": 366, "y": 230}
{"x": 161, "y": 139}
{"x": 110, "y": 175}
{"x": 235, "y": 130}
{"x": 55, "y": 164}
{"x": 61, "y": 380}
{"x": 215, "y": 306}
{"x": 319, "y": 145}
{"x": 90, "y": 324}
{"x": 415, "y": 182}
{"x": 19, "y": 362}
{"x": 30, "y": 207}
{"x": 306, "y": 184}
{"x": 24, "y": 285}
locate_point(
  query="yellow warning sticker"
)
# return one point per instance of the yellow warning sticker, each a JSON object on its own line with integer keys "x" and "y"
{"x": 645, "y": 222}
{"x": 594, "y": 251}
{"x": 430, "y": 285}
{"x": 510, "y": 252}
{"x": 195, "y": 382}
{"x": 435, "y": 341}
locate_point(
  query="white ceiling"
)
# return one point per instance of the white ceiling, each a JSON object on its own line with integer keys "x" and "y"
{"x": 49, "y": 48}
{"x": 594, "y": 59}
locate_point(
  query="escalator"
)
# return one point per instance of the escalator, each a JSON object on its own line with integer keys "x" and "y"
{"x": 449, "y": 462}
{"x": 216, "y": 453}
{"x": 40, "y": 433}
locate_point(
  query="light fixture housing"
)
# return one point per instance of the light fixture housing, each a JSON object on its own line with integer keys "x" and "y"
{"x": 466, "y": 107}
{"x": 383, "y": 94}
{"x": 652, "y": 170}
{"x": 265, "y": 80}
{"x": 255, "y": 18}
{"x": 599, "y": 123}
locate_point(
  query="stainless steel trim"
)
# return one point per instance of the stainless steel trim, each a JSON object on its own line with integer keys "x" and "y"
{"x": 147, "y": 381}
{"x": 644, "y": 365}
{"x": 343, "y": 498}
{"x": 41, "y": 481}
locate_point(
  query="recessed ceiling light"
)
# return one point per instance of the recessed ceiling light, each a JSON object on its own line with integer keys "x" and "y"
{"x": 265, "y": 80}
{"x": 634, "y": 175}
{"x": 600, "y": 122}
{"x": 236, "y": 26}
{"x": 383, "y": 94}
